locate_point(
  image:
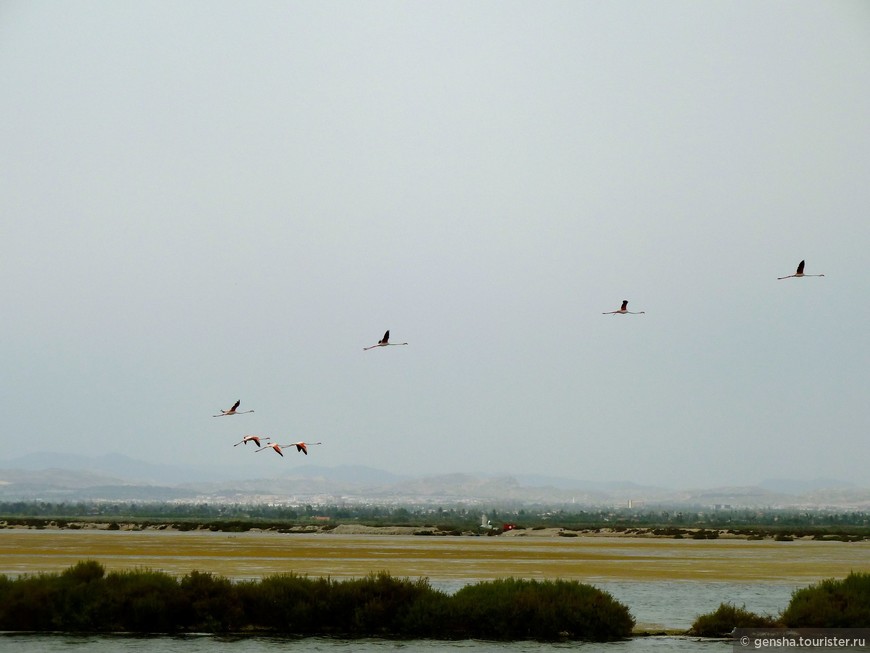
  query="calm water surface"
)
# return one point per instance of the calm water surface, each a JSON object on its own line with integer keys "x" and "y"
{"x": 209, "y": 644}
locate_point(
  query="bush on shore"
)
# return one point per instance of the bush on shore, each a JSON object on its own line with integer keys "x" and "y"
{"x": 514, "y": 609}
{"x": 726, "y": 618}
{"x": 831, "y": 603}
{"x": 84, "y": 598}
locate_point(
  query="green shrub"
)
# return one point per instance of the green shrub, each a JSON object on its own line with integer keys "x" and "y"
{"x": 428, "y": 616}
{"x": 209, "y": 604}
{"x": 704, "y": 534}
{"x": 29, "y": 603}
{"x": 286, "y": 603}
{"x": 511, "y": 608}
{"x": 85, "y": 572}
{"x": 377, "y": 604}
{"x": 831, "y": 604}
{"x": 726, "y": 618}
{"x": 141, "y": 601}
{"x": 84, "y": 598}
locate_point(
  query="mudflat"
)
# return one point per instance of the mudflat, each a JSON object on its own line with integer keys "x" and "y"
{"x": 333, "y": 554}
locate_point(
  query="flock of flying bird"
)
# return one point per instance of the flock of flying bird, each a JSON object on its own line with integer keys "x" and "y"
{"x": 258, "y": 440}
{"x": 300, "y": 446}
{"x": 623, "y": 310}
{"x": 385, "y": 342}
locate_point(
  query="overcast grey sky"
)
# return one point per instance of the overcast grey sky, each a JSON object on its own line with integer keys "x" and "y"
{"x": 210, "y": 201}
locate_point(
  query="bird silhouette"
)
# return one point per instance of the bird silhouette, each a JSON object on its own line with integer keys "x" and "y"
{"x": 799, "y": 273}
{"x": 623, "y": 310}
{"x": 233, "y": 410}
{"x": 385, "y": 342}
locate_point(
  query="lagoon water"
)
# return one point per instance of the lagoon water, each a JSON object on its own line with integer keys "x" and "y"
{"x": 210, "y": 644}
{"x": 665, "y": 583}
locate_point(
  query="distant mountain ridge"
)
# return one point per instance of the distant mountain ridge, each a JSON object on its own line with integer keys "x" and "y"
{"x": 134, "y": 471}
{"x": 116, "y": 477}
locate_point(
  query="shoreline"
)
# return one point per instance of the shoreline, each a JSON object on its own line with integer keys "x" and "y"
{"x": 695, "y": 533}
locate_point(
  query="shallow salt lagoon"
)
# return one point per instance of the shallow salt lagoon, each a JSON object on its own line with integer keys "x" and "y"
{"x": 666, "y": 583}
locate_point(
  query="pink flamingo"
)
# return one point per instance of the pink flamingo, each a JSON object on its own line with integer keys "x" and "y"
{"x": 275, "y": 446}
{"x": 385, "y": 342}
{"x": 233, "y": 411}
{"x": 623, "y": 310}
{"x": 251, "y": 438}
{"x": 799, "y": 273}
{"x": 302, "y": 446}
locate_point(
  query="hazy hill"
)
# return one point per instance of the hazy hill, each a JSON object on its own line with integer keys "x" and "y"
{"x": 61, "y": 477}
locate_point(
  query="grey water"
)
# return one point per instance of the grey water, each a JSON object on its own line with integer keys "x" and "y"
{"x": 214, "y": 644}
{"x": 656, "y": 606}
{"x": 674, "y": 605}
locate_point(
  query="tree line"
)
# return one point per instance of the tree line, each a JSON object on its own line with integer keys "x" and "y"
{"x": 453, "y": 518}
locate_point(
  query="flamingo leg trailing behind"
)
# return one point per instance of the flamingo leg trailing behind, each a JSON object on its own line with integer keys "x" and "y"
{"x": 251, "y": 438}
{"x": 623, "y": 310}
{"x": 799, "y": 273}
{"x": 233, "y": 410}
{"x": 385, "y": 342}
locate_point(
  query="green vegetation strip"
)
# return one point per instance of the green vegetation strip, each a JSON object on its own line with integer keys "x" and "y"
{"x": 828, "y": 604}
{"x": 84, "y": 598}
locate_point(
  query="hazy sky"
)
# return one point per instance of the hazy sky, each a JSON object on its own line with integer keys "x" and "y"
{"x": 210, "y": 201}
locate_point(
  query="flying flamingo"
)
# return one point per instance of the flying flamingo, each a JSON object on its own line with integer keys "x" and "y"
{"x": 623, "y": 310}
{"x": 385, "y": 342}
{"x": 799, "y": 273}
{"x": 251, "y": 438}
{"x": 302, "y": 446}
{"x": 275, "y": 446}
{"x": 232, "y": 411}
